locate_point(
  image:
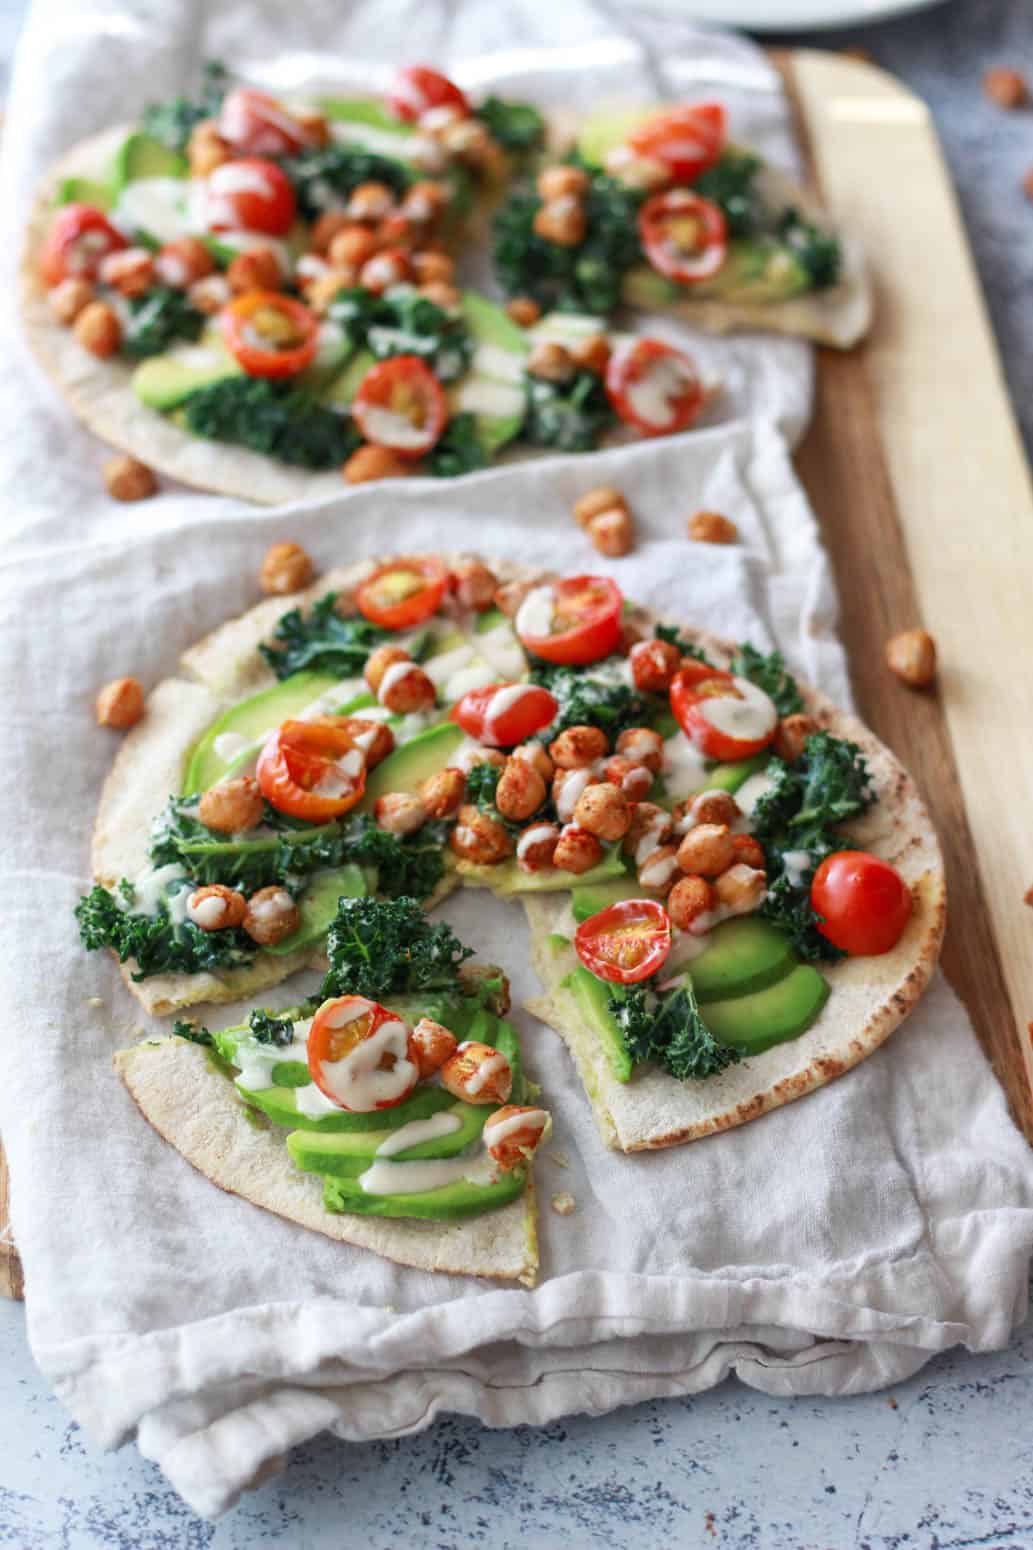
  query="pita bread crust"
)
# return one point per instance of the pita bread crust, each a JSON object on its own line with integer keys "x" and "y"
{"x": 194, "y": 1107}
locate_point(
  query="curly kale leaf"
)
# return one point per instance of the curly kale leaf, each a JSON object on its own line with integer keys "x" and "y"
{"x": 276, "y": 418}
{"x": 594, "y": 701}
{"x": 770, "y": 674}
{"x": 324, "y": 178}
{"x": 411, "y": 864}
{"x": 267, "y": 1029}
{"x": 570, "y": 416}
{"x": 322, "y": 640}
{"x": 404, "y": 323}
{"x": 517, "y": 126}
{"x": 157, "y": 320}
{"x": 688, "y": 648}
{"x": 380, "y": 948}
{"x": 670, "y": 1032}
{"x": 172, "y": 122}
{"x": 459, "y": 451}
{"x": 158, "y": 945}
{"x": 729, "y": 183}
{"x": 197, "y": 1033}
{"x": 817, "y": 251}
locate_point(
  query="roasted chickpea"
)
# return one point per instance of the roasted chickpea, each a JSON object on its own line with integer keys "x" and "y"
{"x": 315, "y": 126}
{"x": 740, "y": 889}
{"x": 749, "y": 851}
{"x": 603, "y": 810}
{"x": 68, "y": 299}
{"x": 476, "y": 1073}
{"x": 512, "y": 1134}
{"x": 406, "y": 688}
{"x": 130, "y": 271}
{"x": 400, "y": 812}
{"x": 206, "y": 149}
{"x": 397, "y": 231}
{"x": 536, "y": 847}
{"x": 653, "y": 665}
{"x": 323, "y": 290}
{"x": 369, "y": 463}
{"x": 603, "y": 498}
{"x": 647, "y": 819}
{"x": 232, "y": 806}
{"x": 511, "y": 594}
{"x": 182, "y": 262}
{"x": 710, "y": 527}
{"x": 447, "y": 297}
{"x": 474, "y": 756}
{"x": 326, "y": 228}
{"x": 659, "y": 870}
{"x": 642, "y": 746}
{"x": 567, "y": 786}
{"x": 471, "y": 142}
{"x": 475, "y": 585}
{"x": 524, "y": 311}
{"x": 791, "y": 735}
{"x": 433, "y": 268}
{"x": 708, "y": 807}
{"x": 521, "y": 791}
{"x": 120, "y": 704}
{"x": 210, "y": 295}
{"x": 370, "y": 202}
{"x": 633, "y": 779}
{"x": 215, "y": 908}
{"x": 373, "y": 739}
{"x": 642, "y": 172}
{"x": 432, "y": 1044}
{"x": 612, "y": 532}
{"x": 534, "y": 754}
{"x": 423, "y": 202}
{"x": 286, "y": 568}
{"x": 1006, "y": 87}
{"x": 562, "y": 182}
{"x": 384, "y": 269}
{"x": 98, "y": 330}
{"x": 128, "y": 479}
{"x": 689, "y": 900}
{"x": 561, "y": 221}
{"x": 551, "y": 361}
{"x": 911, "y": 655}
{"x": 592, "y": 354}
{"x": 351, "y": 246}
{"x": 576, "y": 850}
{"x": 272, "y": 916}
{"x": 578, "y": 747}
{"x": 378, "y": 662}
{"x": 258, "y": 269}
{"x": 442, "y": 793}
{"x": 478, "y": 838}
{"x": 707, "y": 850}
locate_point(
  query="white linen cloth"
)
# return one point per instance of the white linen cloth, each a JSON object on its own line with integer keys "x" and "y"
{"x": 830, "y": 1247}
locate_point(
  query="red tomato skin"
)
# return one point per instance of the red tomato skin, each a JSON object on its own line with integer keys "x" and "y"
{"x": 269, "y": 363}
{"x": 257, "y": 125}
{"x": 598, "y": 637}
{"x": 418, "y": 88}
{"x": 300, "y": 750}
{"x": 412, "y": 610}
{"x": 652, "y": 222}
{"x": 629, "y": 365}
{"x": 687, "y": 703}
{"x": 376, "y": 387}
{"x": 58, "y": 260}
{"x": 272, "y": 212}
{"x": 535, "y": 709}
{"x": 687, "y": 139}
{"x": 864, "y": 902}
{"x": 319, "y": 1048}
{"x": 624, "y": 913}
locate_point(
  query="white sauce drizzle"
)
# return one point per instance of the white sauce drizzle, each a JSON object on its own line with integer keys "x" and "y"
{"x": 747, "y": 797}
{"x": 356, "y": 1080}
{"x": 651, "y": 395}
{"x": 477, "y": 1080}
{"x": 502, "y": 701}
{"x": 659, "y": 872}
{"x": 570, "y": 793}
{"x": 534, "y": 616}
{"x": 394, "y": 675}
{"x": 229, "y": 746}
{"x": 444, "y": 1123}
{"x": 537, "y": 834}
{"x": 684, "y": 767}
{"x": 502, "y": 649}
{"x": 796, "y": 863}
{"x": 652, "y": 838}
{"x": 497, "y": 1128}
{"x": 749, "y": 715}
{"x": 408, "y": 1178}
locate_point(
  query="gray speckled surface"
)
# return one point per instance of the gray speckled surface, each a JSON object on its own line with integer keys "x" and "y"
{"x": 945, "y": 1461}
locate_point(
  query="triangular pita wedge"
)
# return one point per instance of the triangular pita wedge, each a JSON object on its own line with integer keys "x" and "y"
{"x": 194, "y": 1107}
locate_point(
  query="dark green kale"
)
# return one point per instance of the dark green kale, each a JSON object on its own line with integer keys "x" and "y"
{"x": 276, "y": 418}
{"x": 157, "y": 320}
{"x": 324, "y": 178}
{"x": 267, "y": 1029}
{"x": 729, "y": 183}
{"x": 404, "y": 323}
{"x": 669, "y": 1031}
{"x": 817, "y": 251}
{"x": 585, "y": 278}
{"x": 585, "y": 700}
{"x": 158, "y": 945}
{"x": 172, "y": 122}
{"x": 517, "y": 126}
{"x": 410, "y": 864}
{"x": 382, "y": 948}
{"x": 459, "y": 451}
{"x": 197, "y": 1033}
{"x": 570, "y": 416}
{"x": 770, "y": 674}
{"x": 688, "y": 648}
{"x": 322, "y": 640}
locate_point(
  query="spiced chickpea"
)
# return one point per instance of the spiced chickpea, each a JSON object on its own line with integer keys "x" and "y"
{"x": 120, "y": 704}
{"x": 474, "y": 756}
{"x": 576, "y": 850}
{"x": 603, "y": 497}
{"x": 478, "y": 838}
{"x": 534, "y": 754}
{"x": 633, "y": 779}
{"x": 642, "y": 746}
{"x": 520, "y": 792}
{"x": 592, "y": 354}
{"x": 562, "y": 182}
{"x": 432, "y": 1044}
{"x": 370, "y": 202}
{"x": 216, "y": 908}
{"x": 477, "y": 1073}
{"x": 351, "y": 246}
{"x": 513, "y": 1132}
{"x": 653, "y": 665}
{"x": 130, "y": 271}
{"x": 447, "y": 297}
{"x": 911, "y": 655}
{"x": 433, "y": 268}
{"x": 400, "y": 812}
{"x": 647, "y": 818}
{"x": 258, "y": 269}
{"x": 442, "y": 793}
{"x": 98, "y": 330}
{"x": 475, "y": 585}
{"x": 406, "y": 688}
{"x": 707, "y": 850}
{"x": 314, "y": 126}
{"x": 612, "y": 532}
{"x": 578, "y": 747}
{"x": 385, "y": 269}
{"x": 688, "y": 900}
{"x": 424, "y": 202}
{"x": 524, "y": 311}
{"x": 378, "y": 662}
{"x": 397, "y": 231}
{"x": 182, "y": 262}
{"x": 369, "y": 463}
{"x": 604, "y": 811}
{"x": 561, "y": 221}
{"x": 536, "y": 847}
{"x": 710, "y": 527}
{"x": 128, "y": 479}
{"x": 567, "y": 786}
{"x": 551, "y": 361}
{"x": 323, "y": 290}
{"x": 659, "y": 871}
{"x": 206, "y": 149}
{"x": 740, "y": 889}
{"x": 286, "y": 568}
{"x": 326, "y": 227}
{"x": 749, "y": 851}
{"x": 209, "y": 295}
{"x": 272, "y": 916}
{"x": 708, "y": 807}
{"x": 510, "y": 595}
{"x": 232, "y": 806}
{"x": 68, "y": 299}
{"x": 791, "y": 735}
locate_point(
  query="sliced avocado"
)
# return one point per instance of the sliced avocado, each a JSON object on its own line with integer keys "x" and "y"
{"x": 363, "y": 110}
{"x": 493, "y": 388}
{"x": 587, "y": 899}
{"x": 600, "y": 133}
{"x": 447, "y": 1204}
{"x": 409, "y": 766}
{"x": 489, "y": 620}
{"x": 729, "y": 777}
{"x": 345, "y": 385}
{"x": 249, "y": 720}
{"x": 334, "y": 1152}
{"x": 755, "y": 1022}
{"x": 84, "y": 191}
{"x": 141, "y": 156}
{"x": 318, "y": 905}
{"x": 593, "y": 999}
{"x": 280, "y": 1104}
{"x": 164, "y": 381}
{"x": 757, "y": 269}
{"x": 741, "y": 956}
{"x": 507, "y": 878}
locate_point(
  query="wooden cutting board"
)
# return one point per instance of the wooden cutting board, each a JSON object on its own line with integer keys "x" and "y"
{"x": 914, "y": 466}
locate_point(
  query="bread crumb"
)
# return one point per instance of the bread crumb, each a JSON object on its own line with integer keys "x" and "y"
{"x": 563, "y": 1161}
{"x": 563, "y": 1204}
{"x": 94, "y": 1001}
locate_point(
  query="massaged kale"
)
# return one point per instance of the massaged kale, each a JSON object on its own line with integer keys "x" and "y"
{"x": 404, "y": 323}
{"x": 159, "y": 945}
{"x": 382, "y": 948}
{"x": 817, "y": 251}
{"x": 770, "y": 674}
{"x": 277, "y": 418}
{"x": 157, "y": 320}
{"x": 323, "y": 178}
{"x": 197, "y": 1033}
{"x": 321, "y": 640}
{"x": 729, "y": 183}
{"x": 688, "y": 648}
{"x": 517, "y": 126}
{"x": 588, "y": 700}
{"x": 172, "y": 122}
{"x": 669, "y": 1031}
{"x": 269, "y": 1029}
{"x": 570, "y": 416}
{"x": 459, "y": 450}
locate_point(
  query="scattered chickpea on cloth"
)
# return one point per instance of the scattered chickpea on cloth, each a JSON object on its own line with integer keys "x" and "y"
{"x": 120, "y": 704}
{"x": 911, "y": 655}
{"x": 711, "y": 527}
{"x": 128, "y": 479}
{"x": 606, "y": 518}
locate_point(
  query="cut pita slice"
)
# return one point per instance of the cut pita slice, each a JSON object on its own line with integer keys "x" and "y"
{"x": 193, "y": 1106}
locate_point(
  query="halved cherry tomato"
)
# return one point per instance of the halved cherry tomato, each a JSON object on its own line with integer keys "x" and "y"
{"x": 654, "y": 387}
{"x": 585, "y": 625}
{"x": 520, "y": 711}
{"x": 257, "y": 125}
{"x": 81, "y": 235}
{"x": 625, "y": 943}
{"x": 252, "y": 194}
{"x": 864, "y": 902}
{"x": 271, "y": 335}
{"x": 401, "y": 404}
{"x": 750, "y": 716}
{"x": 417, "y": 89}
{"x": 687, "y": 139}
{"x": 312, "y": 769}
{"x": 403, "y": 592}
{"x": 685, "y": 237}
{"x": 377, "y": 1076}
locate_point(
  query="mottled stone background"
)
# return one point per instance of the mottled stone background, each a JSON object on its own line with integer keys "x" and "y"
{"x": 945, "y": 1461}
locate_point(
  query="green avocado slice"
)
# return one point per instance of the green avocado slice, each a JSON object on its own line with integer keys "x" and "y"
{"x": 410, "y": 764}
{"x": 447, "y": 1204}
{"x": 507, "y": 879}
{"x": 318, "y": 906}
{"x": 280, "y": 1104}
{"x": 753, "y": 1023}
{"x": 335, "y": 1152}
{"x": 164, "y": 381}
{"x": 85, "y": 191}
{"x": 741, "y": 956}
{"x": 141, "y": 156}
{"x": 593, "y": 1000}
{"x": 757, "y": 269}
{"x": 249, "y": 720}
